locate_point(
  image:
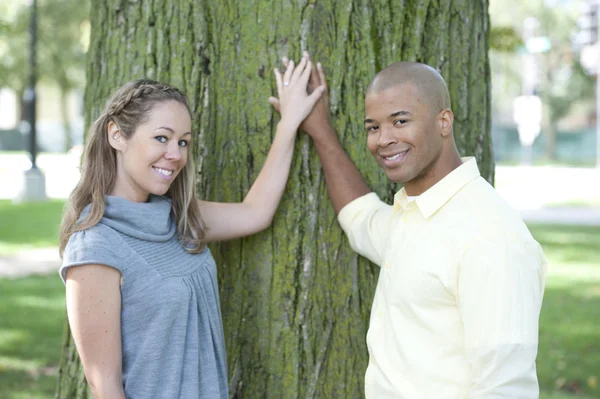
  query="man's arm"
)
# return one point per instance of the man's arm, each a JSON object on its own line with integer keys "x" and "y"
{"x": 366, "y": 220}
{"x": 500, "y": 289}
{"x": 344, "y": 182}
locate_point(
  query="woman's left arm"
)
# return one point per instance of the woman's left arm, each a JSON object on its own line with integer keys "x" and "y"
{"x": 226, "y": 221}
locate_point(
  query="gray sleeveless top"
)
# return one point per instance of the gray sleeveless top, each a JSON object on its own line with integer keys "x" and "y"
{"x": 171, "y": 328}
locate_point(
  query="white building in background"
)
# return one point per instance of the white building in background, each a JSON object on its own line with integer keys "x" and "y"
{"x": 49, "y": 121}
{"x": 8, "y": 109}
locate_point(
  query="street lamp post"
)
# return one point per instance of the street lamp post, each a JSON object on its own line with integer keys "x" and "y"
{"x": 34, "y": 187}
{"x": 598, "y": 84}
{"x": 527, "y": 108}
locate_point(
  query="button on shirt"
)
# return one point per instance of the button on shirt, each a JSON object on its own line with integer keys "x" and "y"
{"x": 457, "y": 304}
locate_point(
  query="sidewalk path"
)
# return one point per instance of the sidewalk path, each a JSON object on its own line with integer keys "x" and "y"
{"x": 536, "y": 192}
{"x": 563, "y": 216}
{"x": 47, "y": 261}
{"x": 28, "y": 262}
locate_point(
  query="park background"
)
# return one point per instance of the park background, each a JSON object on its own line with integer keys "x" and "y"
{"x": 546, "y": 50}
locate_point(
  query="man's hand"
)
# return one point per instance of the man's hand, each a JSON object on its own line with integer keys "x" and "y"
{"x": 344, "y": 182}
{"x": 318, "y": 120}
{"x": 295, "y": 99}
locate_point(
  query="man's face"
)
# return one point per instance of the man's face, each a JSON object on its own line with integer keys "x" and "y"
{"x": 403, "y": 133}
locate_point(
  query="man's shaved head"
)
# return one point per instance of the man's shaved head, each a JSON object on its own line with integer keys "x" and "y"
{"x": 409, "y": 122}
{"x": 428, "y": 81}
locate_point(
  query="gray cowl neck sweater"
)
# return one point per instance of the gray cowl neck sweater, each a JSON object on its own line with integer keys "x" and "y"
{"x": 171, "y": 329}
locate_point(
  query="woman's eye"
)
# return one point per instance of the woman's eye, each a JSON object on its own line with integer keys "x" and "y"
{"x": 372, "y": 128}
{"x": 183, "y": 143}
{"x": 161, "y": 139}
{"x": 400, "y": 122}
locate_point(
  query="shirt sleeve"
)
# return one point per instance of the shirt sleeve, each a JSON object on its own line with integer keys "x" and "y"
{"x": 500, "y": 290}
{"x": 91, "y": 247}
{"x": 366, "y": 222}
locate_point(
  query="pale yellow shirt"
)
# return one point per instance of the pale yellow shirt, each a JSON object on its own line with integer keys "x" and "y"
{"x": 457, "y": 304}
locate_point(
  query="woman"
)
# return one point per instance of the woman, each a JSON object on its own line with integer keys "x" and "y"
{"x": 141, "y": 287}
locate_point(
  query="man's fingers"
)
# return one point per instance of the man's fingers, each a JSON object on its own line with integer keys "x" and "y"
{"x": 315, "y": 80}
{"x": 322, "y": 80}
{"x": 316, "y": 94}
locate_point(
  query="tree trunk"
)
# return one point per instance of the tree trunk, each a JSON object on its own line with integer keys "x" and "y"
{"x": 66, "y": 120}
{"x": 295, "y": 298}
{"x": 550, "y": 141}
{"x": 20, "y": 93}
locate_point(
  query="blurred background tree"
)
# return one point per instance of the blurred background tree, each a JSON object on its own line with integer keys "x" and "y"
{"x": 565, "y": 88}
{"x": 63, "y": 31}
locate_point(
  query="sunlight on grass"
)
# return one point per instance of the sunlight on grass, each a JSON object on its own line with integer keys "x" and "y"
{"x": 565, "y": 274}
{"x": 564, "y": 396}
{"x": 29, "y": 225}
{"x": 569, "y": 350}
{"x": 40, "y": 302}
{"x": 32, "y": 315}
{"x": 16, "y": 363}
{"x": 10, "y": 338}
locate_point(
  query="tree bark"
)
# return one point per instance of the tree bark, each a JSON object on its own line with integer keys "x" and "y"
{"x": 550, "y": 143}
{"x": 66, "y": 119}
{"x": 295, "y": 298}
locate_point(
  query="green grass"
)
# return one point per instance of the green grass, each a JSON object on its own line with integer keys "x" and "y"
{"x": 576, "y": 203}
{"x": 29, "y": 225}
{"x": 32, "y": 310}
{"x": 569, "y": 350}
{"x": 540, "y": 161}
{"x": 32, "y": 314}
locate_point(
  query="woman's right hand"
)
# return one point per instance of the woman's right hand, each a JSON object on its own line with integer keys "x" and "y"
{"x": 294, "y": 102}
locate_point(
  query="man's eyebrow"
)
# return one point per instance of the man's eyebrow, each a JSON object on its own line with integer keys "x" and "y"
{"x": 392, "y": 115}
{"x": 399, "y": 113}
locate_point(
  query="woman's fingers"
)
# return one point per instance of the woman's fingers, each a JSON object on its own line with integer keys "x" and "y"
{"x": 279, "y": 80}
{"x": 303, "y": 79}
{"x": 299, "y": 70}
{"x": 288, "y": 73}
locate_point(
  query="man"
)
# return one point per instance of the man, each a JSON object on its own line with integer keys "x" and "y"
{"x": 456, "y": 309}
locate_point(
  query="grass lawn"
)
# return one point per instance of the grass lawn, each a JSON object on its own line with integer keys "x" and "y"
{"x": 30, "y": 225}
{"x": 31, "y": 327}
{"x": 569, "y": 350}
{"x": 32, "y": 310}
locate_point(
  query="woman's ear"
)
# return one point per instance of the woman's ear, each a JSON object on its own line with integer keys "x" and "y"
{"x": 115, "y": 139}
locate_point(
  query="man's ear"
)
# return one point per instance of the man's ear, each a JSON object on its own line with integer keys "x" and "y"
{"x": 446, "y": 121}
{"x": 115, "y": 139}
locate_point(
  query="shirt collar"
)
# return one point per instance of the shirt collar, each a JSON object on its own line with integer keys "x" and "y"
{"x": 435, "y": 197}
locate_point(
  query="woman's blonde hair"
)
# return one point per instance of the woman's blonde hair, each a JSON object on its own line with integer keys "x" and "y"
{"x": 128, "y": 107}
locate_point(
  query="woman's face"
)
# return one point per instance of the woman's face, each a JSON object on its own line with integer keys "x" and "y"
{"x": 153, "y": 157}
